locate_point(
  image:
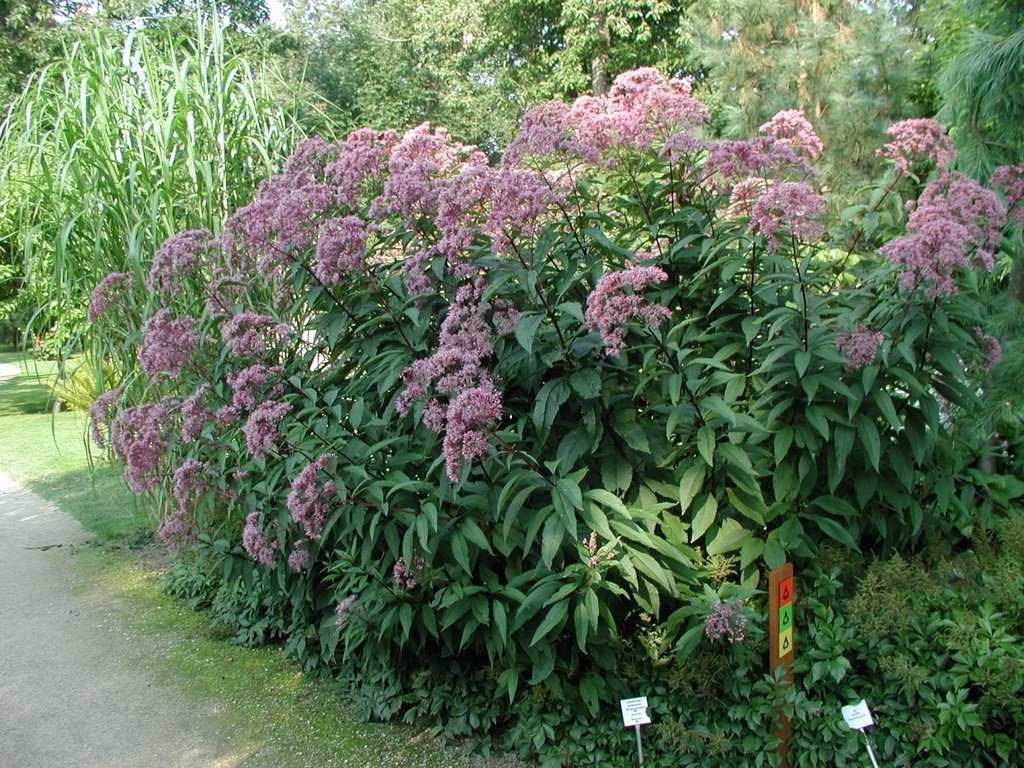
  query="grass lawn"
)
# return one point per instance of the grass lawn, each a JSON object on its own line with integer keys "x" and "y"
{"x": 280, "y": 717}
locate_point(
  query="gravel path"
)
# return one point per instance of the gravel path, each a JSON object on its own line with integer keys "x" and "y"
{"x": 74, "y": 684}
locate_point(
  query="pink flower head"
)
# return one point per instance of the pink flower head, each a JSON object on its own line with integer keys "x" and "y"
{"x": 859, "y": 346}
{"x": 546, "y": 131}
{"x": 343, "y": 609}
{"x": 362, "y": 159}
{"x": 167, "y": 344}
{"x": 1010, "y": 179}
{"x": 929, "y": 256}
{"x": 139, "y": 438}
{"x": 990, "y": 348}
{"x": 955, "y": 197}
{"x": 176, "y": 260}
{"x": 310, "y": 157}
{"x": 955, "y": 222}
{"x": 404, "y": 574}
{"x": 177, "y": 529}
{"x": 745, "y": 194}
{"x": 255, "y": 542}
{"x": 470, "y": 417}
{"x": 418, "y": 167}
{"x": 102, "y": 412}
{"x": 792, "y": 128}
{"x": 726, "y": 622}
{"x": 108, "y": 292}
{"x": 298, "y": 558}
{"x": 194, "y": 414}
{"x": 791, "y": 206}
{"x": 189, "y": 480}
{"x": 520, "y": 201}
{"x": 457, "y": 365}
{"x": 917, "y": 139}
{"x": 247, "y": 384}
{"x": 309, "y": 499}
{"x": 742, "y": 158}
{"x": 249, "y": 334}
{"x": 617, "y": 299}
{"x": 340, "y": 249}
{"x": 261, "y": 427}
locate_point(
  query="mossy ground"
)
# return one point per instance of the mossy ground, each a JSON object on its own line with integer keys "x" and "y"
{"x": 278, "y": 716}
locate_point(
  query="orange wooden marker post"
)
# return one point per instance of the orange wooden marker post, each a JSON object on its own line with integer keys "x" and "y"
{"x": 781, "y": 596}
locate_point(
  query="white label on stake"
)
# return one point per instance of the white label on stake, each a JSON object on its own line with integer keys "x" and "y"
{"x": 858, "y": 716}
{"x": 634, "y": 712}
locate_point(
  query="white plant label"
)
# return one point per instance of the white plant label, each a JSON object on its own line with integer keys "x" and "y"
{"x": 634, "y": 712}
{"x": 858, "y": 716}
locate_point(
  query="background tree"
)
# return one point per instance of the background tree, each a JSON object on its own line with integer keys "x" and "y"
{"x": 974, "y": 55}
{"x": 847, "y": 65}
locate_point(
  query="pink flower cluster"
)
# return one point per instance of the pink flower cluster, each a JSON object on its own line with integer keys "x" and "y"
{"x": 343, "y": 609}
{"x": 249, "y": 334}
{"x": 1010, "y": 179}
{"x": 108, "y": 292}
{"x": 418, "y": 168}
{"x": 189, "y": 480}
{"x": 176, "y": 260}
{"x": 791, "y": 206}
{"x": 340, "y": 249}
{"x": 470, "y": 417}
{"x": 504, "y": 204}
{"x": 309, "y": 500}
{"x": 955, "y": 222}
{"x": 260, "y": 428}
{"x": 298, "y": 558}
{"x": 792, "y": 128}
{"x": 255, "y": 542}
{"x": 282, "y": 218}
{"x": 617, "y": 300}
{"x": 167, "y": 344}
{"x": 991, "y": 349}
{"x": 361, "y": 160}
{"x": 726, "y": 622}
{"x": 405, "y": 575}
{"x": 641, "y": 107}
{"x": 194, "y": 414}
{"x": 918, "y": 139}
{"x": 177, "y": 529}
{"x": 763, "y": 157}
{"x": 102, "y": 412}
{"x": 455, "y": 371}
{"x": 139, "y": 438}
{"x": 859, "y": 346}
{"x": 247, "y": 384}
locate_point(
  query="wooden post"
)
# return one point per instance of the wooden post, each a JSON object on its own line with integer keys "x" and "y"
{"x": 781, "y": 598}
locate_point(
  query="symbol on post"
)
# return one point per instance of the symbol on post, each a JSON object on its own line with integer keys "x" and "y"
{"x": 785, "y": 642}
{"x": 786, "y": 591}
{"x": 785, "y": 617}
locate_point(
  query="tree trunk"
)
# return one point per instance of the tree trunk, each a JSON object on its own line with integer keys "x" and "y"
{"x": 599, "y": 61}
{"x": 1017, "y": 280}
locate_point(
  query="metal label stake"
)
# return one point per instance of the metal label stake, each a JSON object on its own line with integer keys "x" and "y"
{"x": 858, "y": 717}
{"x": 634, "y": 714}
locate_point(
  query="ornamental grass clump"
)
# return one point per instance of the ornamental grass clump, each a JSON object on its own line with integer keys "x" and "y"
{"x": 400, "y": 386}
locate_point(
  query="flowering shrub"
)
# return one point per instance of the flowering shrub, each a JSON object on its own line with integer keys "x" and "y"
{"x": 456, "y": 418}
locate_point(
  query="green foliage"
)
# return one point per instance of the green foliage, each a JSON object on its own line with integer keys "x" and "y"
{"x": 975, "y": 59}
